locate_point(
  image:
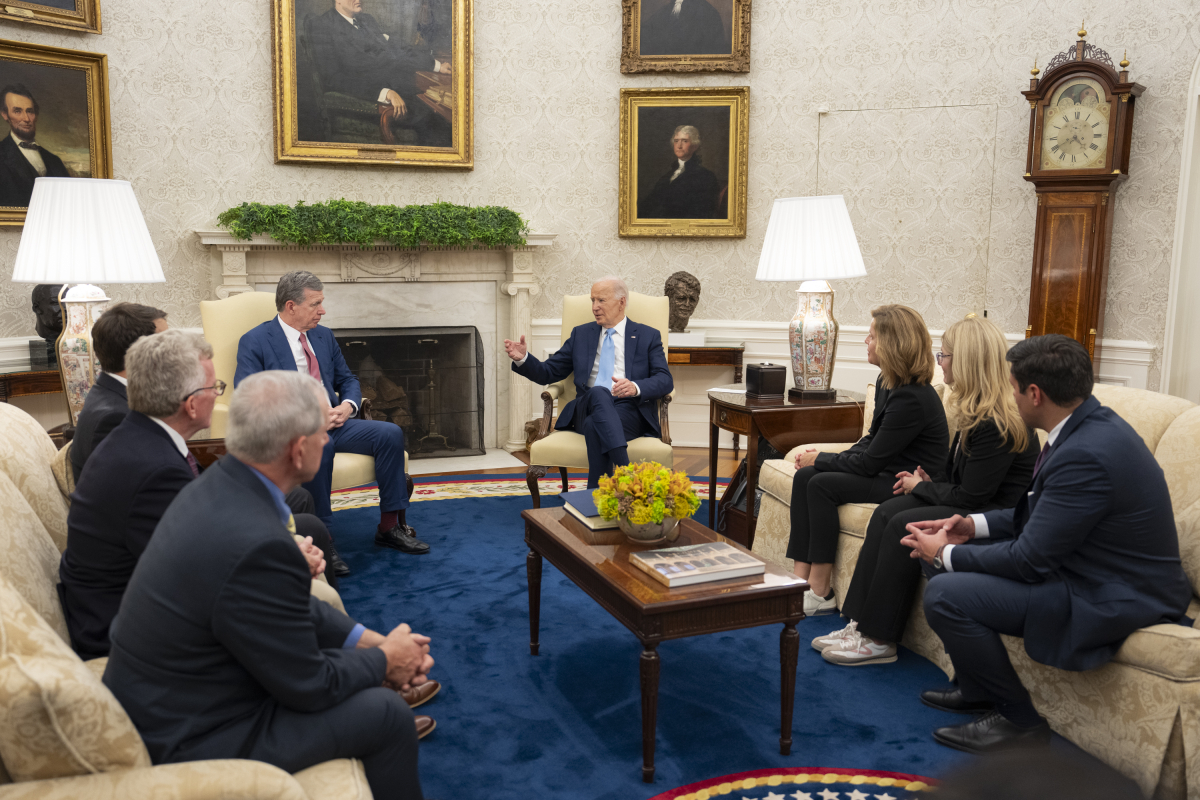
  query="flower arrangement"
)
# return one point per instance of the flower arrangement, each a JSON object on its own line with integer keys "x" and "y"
{"x": 646, "y": 492}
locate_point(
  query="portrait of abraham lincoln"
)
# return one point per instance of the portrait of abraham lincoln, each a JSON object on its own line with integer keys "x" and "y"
{"x": 378, "y": 80}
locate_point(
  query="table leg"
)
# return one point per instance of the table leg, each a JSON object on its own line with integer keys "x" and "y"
{"x": 737, "y": 374}
{"x": 533, "y": 569}
{"x": 649, "y": 670}
{"x": 735, "y": 445}
{"x": 751, "y": 482}
{"x": 789, "y": 649}
{"x": 713, "y": 433}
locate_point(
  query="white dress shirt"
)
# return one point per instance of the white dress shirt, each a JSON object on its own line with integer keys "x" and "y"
{"x": 679, "y": 171}
{"x": 293, "y": 337}
{"x": 34, "y": 157}
{"x": 124, "y": 381}
{"x": 981, "y": 526}
{"x": 176, "y": 438}
{"x": 618, "y": 356}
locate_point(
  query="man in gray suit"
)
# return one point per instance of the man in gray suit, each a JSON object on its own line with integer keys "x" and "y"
{"x": 220, "y": 651}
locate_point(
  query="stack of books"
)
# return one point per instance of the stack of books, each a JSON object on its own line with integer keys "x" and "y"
{"x": 697, "y": 563}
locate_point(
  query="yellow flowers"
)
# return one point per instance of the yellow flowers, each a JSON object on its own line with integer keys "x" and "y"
{"x": 646, "y": 492}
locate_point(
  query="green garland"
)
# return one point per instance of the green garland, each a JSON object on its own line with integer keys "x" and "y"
{"x": 343, "y": 221}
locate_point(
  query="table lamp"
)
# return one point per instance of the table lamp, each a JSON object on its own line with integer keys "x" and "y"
{"x": 83, "y": 231}
{"x": 811, "y": 239}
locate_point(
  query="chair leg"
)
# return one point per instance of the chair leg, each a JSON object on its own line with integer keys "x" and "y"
{"x": 563, "y": 471}
{"x": 408, "y": 481}
{"x": 532, "y": 476}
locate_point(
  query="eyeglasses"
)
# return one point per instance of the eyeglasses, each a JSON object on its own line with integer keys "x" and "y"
{"x": 219, "y": 386}
{"x": 942, "y": 356}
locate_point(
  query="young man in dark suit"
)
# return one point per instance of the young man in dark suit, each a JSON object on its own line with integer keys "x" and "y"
{"x": 354, "y": 56}
{"x": 620, "y": 373}
{"x": 219, "y": 649}
{"x": 23, "y": 160}
{"x": 1088, "y": 556}
{"x": 106, "y": 403}
{"x": 295, "y": 341}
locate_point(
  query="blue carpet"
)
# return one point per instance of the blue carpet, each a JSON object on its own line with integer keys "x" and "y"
{"x": 567, "y": 723}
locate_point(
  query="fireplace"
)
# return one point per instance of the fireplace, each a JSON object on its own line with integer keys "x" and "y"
{"x": 429, "y": 381}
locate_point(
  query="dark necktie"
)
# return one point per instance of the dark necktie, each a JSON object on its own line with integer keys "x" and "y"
{"x": 314, "y": 369}
{"x": 29, "y": 145}
{"x": 194, "y": 464}
{"x": 1041, "y": 457}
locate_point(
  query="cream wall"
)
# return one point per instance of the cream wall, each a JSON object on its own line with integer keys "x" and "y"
{"x": 925, "y": 134}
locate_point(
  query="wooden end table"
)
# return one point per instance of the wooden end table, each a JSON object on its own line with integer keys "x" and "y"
{"x": 720, "y": 355}
{"x": 783, "y": 423}
{"x": 29, "y": 382}
{"x": 598, "y": 563}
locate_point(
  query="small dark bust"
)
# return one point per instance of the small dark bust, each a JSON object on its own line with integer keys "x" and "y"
{"x": 47, "y": 312}
{"x": 683, "y": 290}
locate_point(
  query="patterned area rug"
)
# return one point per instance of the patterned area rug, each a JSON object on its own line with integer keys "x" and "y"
{"x": 806, "y": 783}
{"x": 458, "y": 487}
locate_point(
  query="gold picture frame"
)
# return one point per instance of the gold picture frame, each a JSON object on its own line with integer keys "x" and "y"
{"x": 60, "y": 82}
{"x": 668, "y": 185}
{"x": 323, "y": 74}
{"x": 685, "y": 36}
{"x": 76, "y": 15}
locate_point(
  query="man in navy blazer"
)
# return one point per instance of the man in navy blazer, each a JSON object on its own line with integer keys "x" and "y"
{"x": 106, "y": 403}
{"x": 620, "y": 373}
{"x": 295, "y": 341}
{"x": 1088, "y": 556}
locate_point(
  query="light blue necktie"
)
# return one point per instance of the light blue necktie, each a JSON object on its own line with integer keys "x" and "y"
{"x": 608, "y": 358}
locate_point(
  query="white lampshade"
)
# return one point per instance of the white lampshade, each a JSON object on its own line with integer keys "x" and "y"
{"x": 809, "y": 239}
{"x": 85, "y": 230}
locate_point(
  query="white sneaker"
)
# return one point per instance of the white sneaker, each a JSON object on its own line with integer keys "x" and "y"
{"x": 816, "y": 606}
{"x": 822, "y": 643}
{"x": 859, "y": 650}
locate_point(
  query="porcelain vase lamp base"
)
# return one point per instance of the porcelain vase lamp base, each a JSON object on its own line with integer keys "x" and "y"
{"x": 82, "y": 305}
{"x": 813, "y": 335}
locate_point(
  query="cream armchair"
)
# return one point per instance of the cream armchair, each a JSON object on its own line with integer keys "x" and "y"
{"x": 62, "y": 732}
{"x": 567, "y": 449}
{"x": 225, "y": 321}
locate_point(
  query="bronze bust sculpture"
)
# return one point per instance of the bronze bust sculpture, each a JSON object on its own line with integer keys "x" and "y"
{"x": 47, "y": 312}
{"x": 683, "y": 289}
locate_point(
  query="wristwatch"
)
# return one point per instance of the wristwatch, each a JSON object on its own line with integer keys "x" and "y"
{"x": 937, "y": 558}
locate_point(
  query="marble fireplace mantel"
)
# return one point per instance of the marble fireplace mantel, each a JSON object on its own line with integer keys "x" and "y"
{"x": 243, "y": 265}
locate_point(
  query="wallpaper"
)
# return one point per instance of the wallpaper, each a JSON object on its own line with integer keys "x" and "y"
{"x": 925, "y": 135}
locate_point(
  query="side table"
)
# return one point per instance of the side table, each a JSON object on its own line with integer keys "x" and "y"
{"x": 720, "y": 355}
{"x": 29, "y": 382}
{"x": 783, "y": 423}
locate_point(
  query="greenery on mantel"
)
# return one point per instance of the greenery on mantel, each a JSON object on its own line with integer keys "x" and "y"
{"x": 344, "y": 222}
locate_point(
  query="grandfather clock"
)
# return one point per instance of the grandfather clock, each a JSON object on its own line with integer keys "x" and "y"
{"x": 1080, "y": 128}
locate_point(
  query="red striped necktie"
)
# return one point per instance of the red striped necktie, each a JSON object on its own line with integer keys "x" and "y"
{"x": 314, "y": 368}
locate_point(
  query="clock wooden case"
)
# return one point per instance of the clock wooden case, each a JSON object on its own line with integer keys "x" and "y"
{"x": 1080, "y": 130}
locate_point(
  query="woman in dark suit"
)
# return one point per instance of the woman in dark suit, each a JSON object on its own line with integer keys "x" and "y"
{"x": 908, "y": 429}
{"x": 990, "y": 463}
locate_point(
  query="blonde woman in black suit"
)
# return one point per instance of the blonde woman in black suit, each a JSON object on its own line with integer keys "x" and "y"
{"x": 908, "y": 429}
{"x": 989, "y": 465}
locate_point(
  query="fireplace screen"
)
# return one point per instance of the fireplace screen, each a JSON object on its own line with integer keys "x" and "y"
{"x": 429, "y": 381}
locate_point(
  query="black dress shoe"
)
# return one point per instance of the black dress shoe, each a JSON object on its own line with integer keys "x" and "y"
{"x": 340, "y": 568}
{"x": 952, "y": 700}
{"x": 992, "y": 732}
{"x": 402, "y": 538}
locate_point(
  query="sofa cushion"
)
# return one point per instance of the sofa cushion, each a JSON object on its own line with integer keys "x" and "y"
{"x": 1176, "y": 454}
{"x": 56, "y": 718}
{"x": 28, "y": 557}
{"x": 775, "y": 478}
{"x": 340, "y": 779}
{"x": 1169, "y": 651}
{"x": 26, "y": 455}
{"x": 1150, "y": 413}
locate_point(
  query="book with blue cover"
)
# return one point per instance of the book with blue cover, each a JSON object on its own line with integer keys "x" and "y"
{"x": 581, "y": 506}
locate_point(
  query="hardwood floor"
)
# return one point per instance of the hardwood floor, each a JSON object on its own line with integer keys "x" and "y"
{"x": 692, "y": 460}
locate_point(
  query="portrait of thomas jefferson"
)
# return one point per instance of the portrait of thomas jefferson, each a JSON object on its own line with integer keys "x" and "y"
{"x": 686, "y": 27}
{"x": 357, "y": 71}
{"x": 686, "y": 189}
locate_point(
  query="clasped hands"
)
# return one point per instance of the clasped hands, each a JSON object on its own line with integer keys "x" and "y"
{"x": 928, "y": 537}
{"x": 313, "y": 555}
{"x": 339, "y": 415}
{"x": 408, "y": 659}
{"x": 907, "y": 481}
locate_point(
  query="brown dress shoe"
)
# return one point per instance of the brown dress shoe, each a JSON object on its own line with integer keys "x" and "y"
{"x": 418, "y": 695}
{"x": 425, "y": 725}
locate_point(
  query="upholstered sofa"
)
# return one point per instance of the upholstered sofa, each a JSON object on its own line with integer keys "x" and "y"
{"x": 62, "y": 732}
{"x": 1141, "y": 712}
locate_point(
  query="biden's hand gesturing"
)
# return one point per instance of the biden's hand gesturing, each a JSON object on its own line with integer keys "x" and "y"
{"x": 516, "y": 350}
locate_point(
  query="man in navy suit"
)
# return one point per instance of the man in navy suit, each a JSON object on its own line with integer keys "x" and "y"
{"x": 295, "y": 340}
{"x": 619, "y": 377}
{"x": 23, "y": 160}
{"x": 106, "y": 403}
{"x": 1088, "y": 556}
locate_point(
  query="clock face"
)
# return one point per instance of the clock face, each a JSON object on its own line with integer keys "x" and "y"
{"x": 1075, "y": 126}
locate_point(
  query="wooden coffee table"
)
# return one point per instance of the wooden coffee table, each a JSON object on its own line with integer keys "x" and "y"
{"x": 598, "y": 563}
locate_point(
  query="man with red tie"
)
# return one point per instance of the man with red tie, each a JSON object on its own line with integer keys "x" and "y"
{"x": 295, "y": 340}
